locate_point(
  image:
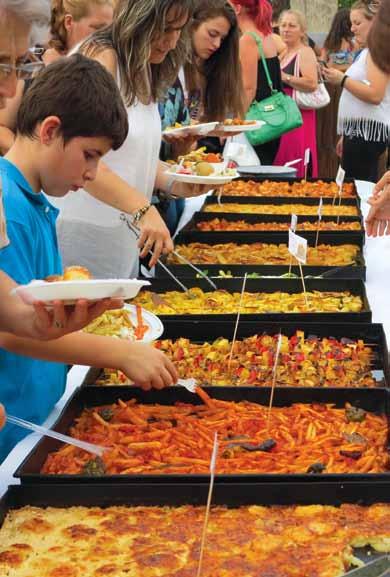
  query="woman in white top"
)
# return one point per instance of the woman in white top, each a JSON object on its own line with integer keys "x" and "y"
{"x": 364, "y": 108}
{"x": 143, "y": 49}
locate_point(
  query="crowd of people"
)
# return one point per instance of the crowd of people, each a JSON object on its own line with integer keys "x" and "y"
{"x": 111, "y": 76}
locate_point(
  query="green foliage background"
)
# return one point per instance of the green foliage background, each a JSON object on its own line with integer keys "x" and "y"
{"x": 345, "y": 3}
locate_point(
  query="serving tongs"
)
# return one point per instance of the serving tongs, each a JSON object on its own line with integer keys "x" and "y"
{"x": 136, "y": 231}
{"x": 380, "y": 567}
{"x": 90, "y": 447}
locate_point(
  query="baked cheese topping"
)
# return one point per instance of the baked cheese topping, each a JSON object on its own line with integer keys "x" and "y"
{"x": 254, "y": 541}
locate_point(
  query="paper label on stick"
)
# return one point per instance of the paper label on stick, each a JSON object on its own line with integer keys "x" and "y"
{"x": 213, "y": 460}
{"x": 307, "y": 157}
{"x": 340, "y": 178}
{"x": 297, "y": 246}
{"x": 319, "y": 211}
{"x": 294, "y": 222}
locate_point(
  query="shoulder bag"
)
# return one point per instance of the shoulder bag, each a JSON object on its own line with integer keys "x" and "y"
{"x": 315, "y": 100}
{"x": 279, "y": 111}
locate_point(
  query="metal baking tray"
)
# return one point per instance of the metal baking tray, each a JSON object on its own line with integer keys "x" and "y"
{"x": 276, "y": 200}
{"x": 181, "y": 270}
{"x": 263, "y": 178}
{"x": 202, "y": 331}
{"x": 176, "y": 495}
{"x": 191, "y": 231}
{"x": 371, "y": 400}
{"x": 269, "y": 285}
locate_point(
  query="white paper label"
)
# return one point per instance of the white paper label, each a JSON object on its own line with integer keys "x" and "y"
{"x": 307, "y": 156}
{"x": 294, "y": 222}
{"x": 340, "y": 178}
{"x": 297, "y": 246}
{"x": 319, "y": 211}
{"x": 214, "y": 454}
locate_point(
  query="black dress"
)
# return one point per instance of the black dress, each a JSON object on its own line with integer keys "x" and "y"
{"x": 267, "y": 152}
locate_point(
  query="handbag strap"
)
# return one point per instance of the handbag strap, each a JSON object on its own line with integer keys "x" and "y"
{"x": 261, "y": 52}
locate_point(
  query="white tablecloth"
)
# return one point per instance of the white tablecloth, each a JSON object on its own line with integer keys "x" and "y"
{"x": 377, "y": 253}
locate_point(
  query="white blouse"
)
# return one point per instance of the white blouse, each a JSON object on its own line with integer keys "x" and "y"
{"x": 362, "y": 119}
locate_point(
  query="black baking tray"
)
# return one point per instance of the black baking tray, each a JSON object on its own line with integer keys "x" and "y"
{"x": 202, "y": 331}
{"x": 183, "y": 270}
{"x": 190, "y": 230}
{"x": 269, "y": 285}
{"x": 372, "y": 400}
{"x": 176, "y": 495}
{"x": 276, "y": 200}
{"x": 281, "y": 179}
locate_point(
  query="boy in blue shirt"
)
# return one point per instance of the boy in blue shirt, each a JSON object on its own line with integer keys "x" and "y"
{"x": 69, "y": 118}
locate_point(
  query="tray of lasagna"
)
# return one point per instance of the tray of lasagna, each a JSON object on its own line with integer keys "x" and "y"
{"x": 266, "y": 299}
{"x": 253, "y": 186}
{"x": 328, "y": 355}
{"x": 265, "y": 256}
{"x": 308, "y": 434}
{"x": 301, "y": 206}
{"x": 248, "y": 226}
{"x": 320, "y": 530}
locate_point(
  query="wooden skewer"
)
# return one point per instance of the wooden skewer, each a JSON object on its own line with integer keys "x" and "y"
{"x": 275, "y": 368}
{"x": 237, "y": 321}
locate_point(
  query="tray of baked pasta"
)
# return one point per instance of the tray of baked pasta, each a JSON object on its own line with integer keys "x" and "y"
{"x": 320, "y": 530}
{"x": 301, "y": 206}
{"x": 226, "y": 227}
{"x": 307, "y": 434}
{"x": 265, "y": 256}
{"x": 348, "y": 355}
{"x": 257, "y": 186}
{"x": 264, "y": 299}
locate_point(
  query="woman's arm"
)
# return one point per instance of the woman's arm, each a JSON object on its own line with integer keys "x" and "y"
{"x": 308, "y": 81}
{"x": 372, "y": 91}
{"x": 249, "y": 65}
{"x": 8, "y": 119}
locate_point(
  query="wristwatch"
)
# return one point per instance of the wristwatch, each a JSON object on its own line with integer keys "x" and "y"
{"x": 138, "y": 214}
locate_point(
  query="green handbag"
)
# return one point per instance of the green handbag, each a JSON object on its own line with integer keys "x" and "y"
{"x": 279, "y": 111}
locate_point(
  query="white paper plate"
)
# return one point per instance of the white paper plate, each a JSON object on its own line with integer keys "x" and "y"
{"x": 242, "y": 127}
{"x": 70, "y": 291}
{"x": 156, "y": 328}
{"x": 194, "y": 179}
{"x": 268, "y": 170}
{"x": 203, "y": 128}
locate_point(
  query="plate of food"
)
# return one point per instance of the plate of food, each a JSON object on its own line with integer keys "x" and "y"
{"x": 195, "y": 128}
{"x": 76, "y": 283}
{"x": 131, "y": 323}
{"x": 240, "y": 125}
{"x": 203, "y": 173}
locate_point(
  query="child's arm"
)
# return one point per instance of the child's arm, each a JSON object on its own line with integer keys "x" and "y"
{"x": 37, "y": 322}
{"x": 142, "y": 363}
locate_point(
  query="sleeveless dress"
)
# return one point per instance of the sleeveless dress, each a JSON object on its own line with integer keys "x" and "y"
{"x": 90, "y": 233}
{"x": 294, "y": 143}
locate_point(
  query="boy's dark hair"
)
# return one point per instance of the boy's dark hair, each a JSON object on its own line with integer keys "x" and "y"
{"x": 84, "y": 96}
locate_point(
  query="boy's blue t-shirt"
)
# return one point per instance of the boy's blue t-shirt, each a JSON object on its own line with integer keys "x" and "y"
{"x": 29, "y": 388}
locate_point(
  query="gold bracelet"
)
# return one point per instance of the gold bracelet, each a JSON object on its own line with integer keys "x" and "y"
{"x": 138, "y": 214}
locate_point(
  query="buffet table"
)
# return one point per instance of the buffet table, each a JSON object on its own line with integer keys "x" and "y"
{"x": 377, "y": 254}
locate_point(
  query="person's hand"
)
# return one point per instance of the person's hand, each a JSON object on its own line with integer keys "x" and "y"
{"x": 2, "y": 416}
{"x": 148, "y": 367}
{"x": 52, "y": 323}
{"x": 187, "y": 190}
{"x": 339, "y": 147}
{"x": 378, "y": 219}
{"x": 180, "y": 139}
{"x": 332, "y": 75}
{"x": 383, "y": 183}
{"x": 154, "y": 236}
